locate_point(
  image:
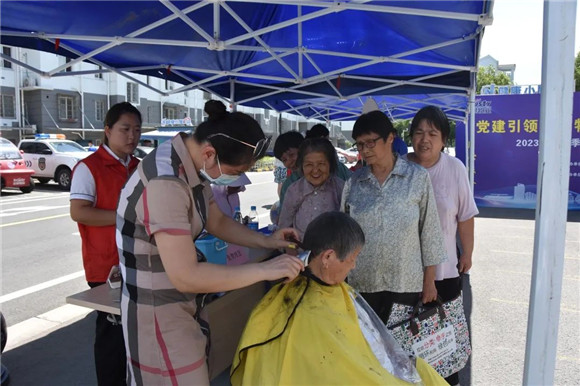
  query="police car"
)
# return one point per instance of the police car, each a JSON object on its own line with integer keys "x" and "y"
{"x": 52, "y": 157}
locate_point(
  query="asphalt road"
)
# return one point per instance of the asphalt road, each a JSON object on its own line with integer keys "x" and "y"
{"x": 41, "y": 247}
{"x": 46, "y": 249}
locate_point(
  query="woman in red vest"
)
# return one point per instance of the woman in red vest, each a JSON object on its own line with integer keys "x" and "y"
{"x": 96, "y": 184}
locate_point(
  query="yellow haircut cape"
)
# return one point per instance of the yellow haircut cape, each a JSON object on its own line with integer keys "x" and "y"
{"x": 306, "y": 333}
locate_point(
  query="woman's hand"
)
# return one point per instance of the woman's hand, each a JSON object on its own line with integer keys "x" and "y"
{"x": 465, "y": 263}
{"x": 429, "y": 289}
{"x": 429, "y": 292}
{"x": 283, "y": 266}
{"x": 279, "y": 239}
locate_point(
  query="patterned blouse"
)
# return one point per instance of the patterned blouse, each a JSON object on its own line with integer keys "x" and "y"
{"x": 401, "y": 228}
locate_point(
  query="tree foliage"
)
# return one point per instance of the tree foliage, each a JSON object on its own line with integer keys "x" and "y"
{"x": 489, "y": 75}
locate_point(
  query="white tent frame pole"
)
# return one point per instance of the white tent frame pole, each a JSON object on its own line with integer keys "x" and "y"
{"x": 334, "y": 8}
{"x": 374, "y": 8}
{"x": 116, "y": 42}
{"x": 260, "y": 41}
{"x": 552, "y": 191}
{"x": 181, "y": 15}
{"x": 300, "y": 47}
{"x": 471, "y": 139}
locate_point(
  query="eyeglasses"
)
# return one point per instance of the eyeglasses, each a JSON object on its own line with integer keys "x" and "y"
{"x": 369, "y": 144}
{"x": 259, "y": 148}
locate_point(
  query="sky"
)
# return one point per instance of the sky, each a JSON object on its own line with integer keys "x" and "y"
{"x": 516, "y": 37}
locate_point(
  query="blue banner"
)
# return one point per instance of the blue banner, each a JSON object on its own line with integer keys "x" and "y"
{"x": 506, "y": 151}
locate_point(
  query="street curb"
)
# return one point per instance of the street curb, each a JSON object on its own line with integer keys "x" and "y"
{"x": 43, "y": 324}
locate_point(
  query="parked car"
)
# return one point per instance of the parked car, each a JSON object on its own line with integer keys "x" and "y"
{"x": 13, "y": 170}
{"x": 350, "y": 156}
{"x": 52, "y": 157}
{"x": 141, "y": 151}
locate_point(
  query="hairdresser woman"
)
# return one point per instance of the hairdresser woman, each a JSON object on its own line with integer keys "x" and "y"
{"x": 162, "y": 209}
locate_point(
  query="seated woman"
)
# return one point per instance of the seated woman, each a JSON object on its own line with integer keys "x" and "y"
{"x": 316, "y": 330}
{"x": 318, "y": 191}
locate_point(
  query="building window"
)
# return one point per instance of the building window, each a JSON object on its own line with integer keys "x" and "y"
{"x": 100, "y": 110}
{"x": 168, "y": 85}
{"x": 100, "y": 74}
{"x": 65, "y": 107}
{"x": 69, "y": 68}
{"x": 7, "y": 107}
{"x": 8, "y": 52}
{"x": 168, "y": 113}
{"x": 132, "y": 92}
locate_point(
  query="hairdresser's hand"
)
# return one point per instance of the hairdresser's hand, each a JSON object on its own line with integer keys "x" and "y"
{"x": 279, "y": 239}
{"x": 283, "y": 266}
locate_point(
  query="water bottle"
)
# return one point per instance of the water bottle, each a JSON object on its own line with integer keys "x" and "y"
{"x": 253, "y": 223}
{"x": 238, "y": 215}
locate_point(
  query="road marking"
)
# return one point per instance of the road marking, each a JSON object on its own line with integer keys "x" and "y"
{"x": 34, "y": 220}
{"x": 527, "y": 304}
{"x": 40, "y": 287}
{"x": 529, "y": 254}
{"x": 568, "y": 277}
{"x": 30, "y": 209}
{"x": 36, "y": 198}
{"x": 570, "y": 359}
{"x": 258, "y": 183}
{"x": 516, "y": 253}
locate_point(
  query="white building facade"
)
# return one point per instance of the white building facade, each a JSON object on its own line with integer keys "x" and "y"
{"x": 76, "y": 105}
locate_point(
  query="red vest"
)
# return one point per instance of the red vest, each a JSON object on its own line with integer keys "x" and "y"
{"x": 99, "y": 244}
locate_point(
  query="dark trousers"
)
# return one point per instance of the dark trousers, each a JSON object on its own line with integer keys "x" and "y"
{"x": 110, "y": 356}
{"x": 382, "y": 302}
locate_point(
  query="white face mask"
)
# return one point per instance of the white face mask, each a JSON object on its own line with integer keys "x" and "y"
{"x": 223, "y": 179}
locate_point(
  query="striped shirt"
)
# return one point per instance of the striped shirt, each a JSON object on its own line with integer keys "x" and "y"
{"x": 165, "y": 344}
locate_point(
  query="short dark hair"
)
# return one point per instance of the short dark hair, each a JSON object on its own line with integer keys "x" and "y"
{"x": 333, "y": 230}
{"x": 373, "y": 122}
{"x": 317, "y": 131}
{"x": 286, "y": 141}
{"x": 236, "y": 125}
{"x": 115, "y": 113}
{"x": 317, "y": 145}
{"x": 435, "y": 117}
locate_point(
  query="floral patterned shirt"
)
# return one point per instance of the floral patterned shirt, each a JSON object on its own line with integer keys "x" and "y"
{"x": 401, "y": 228}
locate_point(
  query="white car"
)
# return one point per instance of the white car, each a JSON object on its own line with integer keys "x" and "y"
{"x": 52, "y": 158}
{"x": 350, "y": 156}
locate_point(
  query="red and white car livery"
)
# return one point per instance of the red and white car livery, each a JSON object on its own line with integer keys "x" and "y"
{"x": 13, "y": 171}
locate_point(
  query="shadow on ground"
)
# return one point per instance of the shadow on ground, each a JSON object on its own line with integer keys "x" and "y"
{"x": 63, "y": 357}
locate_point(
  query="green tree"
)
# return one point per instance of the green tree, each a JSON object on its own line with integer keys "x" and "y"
{"x": 489, "y": 75}
{"x": 402, "y": 127}
{"x": 577, "y": 71}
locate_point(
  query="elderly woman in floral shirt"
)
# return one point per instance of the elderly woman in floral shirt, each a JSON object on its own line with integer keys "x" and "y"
{"x": 393, "y": 201}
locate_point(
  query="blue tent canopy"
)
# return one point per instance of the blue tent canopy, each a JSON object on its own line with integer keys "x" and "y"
{"x": 269, "y": 54}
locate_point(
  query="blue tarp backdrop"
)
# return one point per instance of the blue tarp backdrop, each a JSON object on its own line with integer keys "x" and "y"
{"x": 270, "y": 54}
